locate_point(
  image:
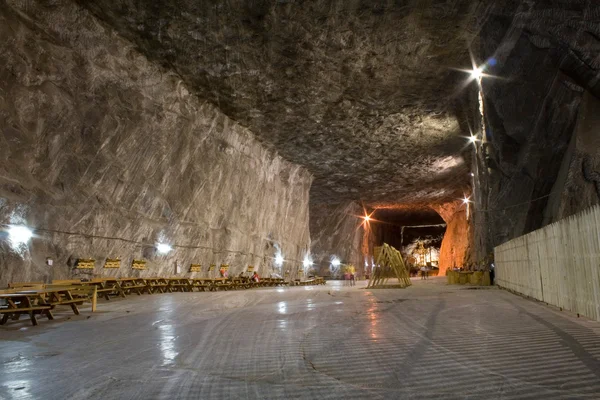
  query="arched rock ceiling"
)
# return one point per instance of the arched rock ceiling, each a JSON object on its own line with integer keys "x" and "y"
{"x": 361, "y": 93}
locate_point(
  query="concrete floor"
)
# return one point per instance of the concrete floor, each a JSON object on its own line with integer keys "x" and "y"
{"x": 430, "y": 341}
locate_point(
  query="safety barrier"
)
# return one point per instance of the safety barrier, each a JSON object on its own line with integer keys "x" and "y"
{"x": 558, "y": 264}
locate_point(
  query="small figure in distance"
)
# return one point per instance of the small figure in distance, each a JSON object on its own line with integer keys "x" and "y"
{"x": 255, "y": 277}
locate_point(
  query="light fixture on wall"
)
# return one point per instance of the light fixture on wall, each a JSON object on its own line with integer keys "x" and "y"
{"x": 18, "y": 234}
{"x": 307, "y": 262}
{"x": 336, "y": 262}
{"x": 163, "y": 248}
{"x": 279, "y": 259}
{"x": 477, "y": 73}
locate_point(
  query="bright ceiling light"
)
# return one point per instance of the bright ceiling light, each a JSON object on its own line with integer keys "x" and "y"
{"x": 472, "y": 138}
{"x": 163, "y": 248}
{"x": 336, "y": 262}
{"x": 279, "y": 260}
{"x": 477, "y": 73}
{"x": 367, "y": 218}
{"x": 466, "y": 200}
{"x": 19, "y": 234}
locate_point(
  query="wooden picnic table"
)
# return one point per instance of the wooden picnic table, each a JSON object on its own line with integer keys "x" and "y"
{"x": 17, "y": 304}
{"x": 106, "y": 287}
{"x": 157, "y": 285}
{"x": 179, "y": 285}
{"x": 200, "y": 283}
{"x": 135, "y": 285}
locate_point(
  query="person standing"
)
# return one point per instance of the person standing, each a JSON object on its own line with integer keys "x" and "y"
{"x": 423, "y": 272}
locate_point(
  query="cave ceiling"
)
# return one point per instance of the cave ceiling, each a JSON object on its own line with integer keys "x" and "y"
{"x": 364, "y": 94}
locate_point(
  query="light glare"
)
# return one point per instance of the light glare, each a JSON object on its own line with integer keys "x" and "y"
{"x": 307, "y": 262}
{"x": 477, "y": 73}
{"x": 163, "y": 248}
{"x": 19, "y": 234}
{"x": 279, "y": 260}
{"x": 336, "y": 262}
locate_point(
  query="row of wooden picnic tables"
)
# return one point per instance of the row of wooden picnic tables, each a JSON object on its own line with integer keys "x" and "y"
{"x": 38, "y": 298}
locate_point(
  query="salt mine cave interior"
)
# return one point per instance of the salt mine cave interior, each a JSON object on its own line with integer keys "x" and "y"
{"x": 294, "y": 138}
{"x": 234, "y": 131}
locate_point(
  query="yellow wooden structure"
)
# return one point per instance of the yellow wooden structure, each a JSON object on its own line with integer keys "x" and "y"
{"x": 195, "y": 267}
{"x": 389, "y": 264}
{"x": 138, "y": 264}
{"x": 112, "y": 263}
{"x": 86, "y": 263}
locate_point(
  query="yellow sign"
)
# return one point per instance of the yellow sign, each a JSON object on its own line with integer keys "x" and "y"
{"x": 224, "y": 267}
{"x": 300, "y": 272}
{"x": 138, "y": 264}
{"x": 250, "y": 268}
{"x": 195, "y": 268}
{"x": 211, "y": 268}
{"x": 112, "y": 263}
{"x": 86, "y": 263}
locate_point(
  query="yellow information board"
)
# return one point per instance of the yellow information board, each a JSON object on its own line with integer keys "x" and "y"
{"x": 86, "y": 263}
{"x": 224, "y": 267}
{"x": 195, "y": 268}
{"x": 112, "y": 263}
{"x": 138, "y": 264}
{"x": 250, "y": 268}
{"x": 211, "y": 267}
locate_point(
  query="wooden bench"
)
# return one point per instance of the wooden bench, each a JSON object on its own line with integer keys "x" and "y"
{"x": 20, "y": 285}
{"x": 200, "y": 284}
{"x": 137, "y": 285}
{"x": 179, "y": 285}
{"x": 106, "y": 287}
{"x": 157, "y": 285}
{"x": 17, "y": 304}
{"x": 71, "y": 296}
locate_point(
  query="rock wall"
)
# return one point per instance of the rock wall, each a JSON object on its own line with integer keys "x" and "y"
{"x": 335, "y": 232}
{"x": 547, "y": 56}
{"x": 106, "y": 153}
{"x": 578, "y": 183}
{"x": 456, "y": 249}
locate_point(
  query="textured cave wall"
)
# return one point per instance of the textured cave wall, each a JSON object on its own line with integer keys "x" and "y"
{"x": 547, "y": 55}
{"x": 98, "y": 140}
{"x": 334, "y": 230}
{"x": 578, "y": 183}
{"x": 456, "y": 249}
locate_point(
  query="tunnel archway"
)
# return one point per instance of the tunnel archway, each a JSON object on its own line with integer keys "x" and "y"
{"x": 417, "y": 232}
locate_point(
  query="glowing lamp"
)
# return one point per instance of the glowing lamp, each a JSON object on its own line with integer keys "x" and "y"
{"x": 336, "y": 262}
{"x": 367, "y": 218}
{"x": 163, "y": 248}
{"x": 19, "y": 234}
{"x": 466, "y": 200}
{"x": 473, "y": 139}
{"x": 306, "y": 263}
{"x": 477, "y": 73}
{"x": 279, "y": 260}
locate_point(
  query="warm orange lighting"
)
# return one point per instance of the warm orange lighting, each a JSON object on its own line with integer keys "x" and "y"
{"x": 367, "y": 218}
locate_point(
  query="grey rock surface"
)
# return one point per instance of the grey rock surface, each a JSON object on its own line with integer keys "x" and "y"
{"x": 547, "y": 56}
{"x": 96, "y": 139}
{"x": 363, "y": 94}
